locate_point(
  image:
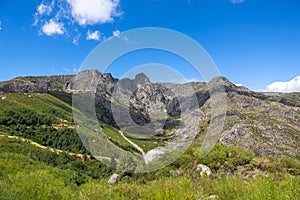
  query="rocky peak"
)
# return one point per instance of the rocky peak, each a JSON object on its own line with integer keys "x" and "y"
{"x": 220, "y": 80}
{"x": 107, "y": 76}
{"x": 90, "y": 73}
{"x": 141, "y": 79}
{"x": 133, "y": 84}
{"x": 222, "y": 84}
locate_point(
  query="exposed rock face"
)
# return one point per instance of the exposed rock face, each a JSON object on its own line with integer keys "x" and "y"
{"x": 37, "y": 84}
{"x": 133, "y": 84}
{"x": 268, "y": 123}
{"x": 267, "y": 127}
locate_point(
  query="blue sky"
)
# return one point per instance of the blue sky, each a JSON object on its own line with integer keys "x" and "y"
{"x": 253, "y": 42}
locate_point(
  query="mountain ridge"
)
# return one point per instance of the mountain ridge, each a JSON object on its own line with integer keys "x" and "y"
{"x": 267, "y": 123}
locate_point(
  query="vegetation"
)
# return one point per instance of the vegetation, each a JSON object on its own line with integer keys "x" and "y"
{"x": 83, "y": 169}
{"x": 28, "y": 171}
{"x": 290, "y": 99}
{"x": 40, "y": 104}
{"x": 146, "y": 143}
{"x": 46, "y": 175}
{"x": 63, "y": 139}
{"x": 41, "y": 118}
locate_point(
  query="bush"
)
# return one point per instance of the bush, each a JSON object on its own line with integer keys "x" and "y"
{"x": 227, "y": 156}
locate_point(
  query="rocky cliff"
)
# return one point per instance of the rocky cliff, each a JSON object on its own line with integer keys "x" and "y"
{"x": 40, "y": 84}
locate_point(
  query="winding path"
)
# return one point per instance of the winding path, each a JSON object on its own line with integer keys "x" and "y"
{"x": 57, "y": 151}
{"x": 132, "y": 143}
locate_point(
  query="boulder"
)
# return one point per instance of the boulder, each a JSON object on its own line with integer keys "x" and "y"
{"x": 113, "y": 179}
{"x": 203, "y": 169}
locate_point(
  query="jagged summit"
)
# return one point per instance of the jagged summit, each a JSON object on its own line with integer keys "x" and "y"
{"x": 141, "y": 78}
{"x": 84, "y": 80}
{"x": 219, "y": 79}
{"x": 89, "y": 78}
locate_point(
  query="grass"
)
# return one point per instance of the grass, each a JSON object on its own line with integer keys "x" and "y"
{"x": 114, "y": 136}
{"x": 65, "y": 97}
{"x": 261, "y": 188}
{"x": 146, "y": 143}
{"x": 290, "y": 99}
{"x": 38, "y": 103}
{"x": 22, "y": 177}
{"x": 82, "y": 169}
{"x": 58, "y": 105}
{"x": 28, "y": 172}
{"x": 225, "y": 188}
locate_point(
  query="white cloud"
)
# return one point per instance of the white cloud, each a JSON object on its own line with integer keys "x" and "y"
{"x": 68, "y": 16}
{"x": 76, "y": 39}
{"x": 93, "y": 35}
{"x": 237, "y": 1}
{"x": 116, "y": 33}
{"x": 75, "y": 70}
{"x": 53, "y": 28}
{"x": 45, "y": 9}
{"x": 66, "y": 70}
{"x": 239, "y": 85}
{"x": 41, "y": 10}
{"x": 289, "y": 86}
{"x": 184, "y": 80}
{"x": 0, "y": 25}
{"x": 90, "y": 12}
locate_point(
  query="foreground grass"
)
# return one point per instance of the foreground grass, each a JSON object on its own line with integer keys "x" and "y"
{"x": 50, "y": 184}
{"x": 63, "y": 177}
{"x": 184, "y": 188}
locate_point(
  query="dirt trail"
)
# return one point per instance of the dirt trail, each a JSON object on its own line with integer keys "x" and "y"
{"x": 132, "y": 143}
{"x": 57, "y": 151}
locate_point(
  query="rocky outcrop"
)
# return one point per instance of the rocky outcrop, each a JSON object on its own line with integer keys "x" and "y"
{"x": 39, "y": 84}
{"x": 264, "y": 126}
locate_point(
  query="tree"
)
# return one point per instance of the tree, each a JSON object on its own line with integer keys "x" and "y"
{"x": 127, "y": 164}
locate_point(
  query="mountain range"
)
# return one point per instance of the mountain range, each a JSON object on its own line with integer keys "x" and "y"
{"x": 266, "y": 123}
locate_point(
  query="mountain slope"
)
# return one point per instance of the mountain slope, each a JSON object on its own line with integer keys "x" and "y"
{"x": 267, "y": 123}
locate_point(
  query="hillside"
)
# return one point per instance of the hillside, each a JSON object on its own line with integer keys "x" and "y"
{"x": 237, "y": 174}
{"x": 267, "y": 123}
{"x": 257, "y": 155}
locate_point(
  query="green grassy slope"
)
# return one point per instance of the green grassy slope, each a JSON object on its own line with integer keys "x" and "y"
{"x": 30, "y": 172}
{"x": 37, "y": 116}
{"x": 38, "y": 103}
{"x": 42, "y": 118}
{"x": 46, "y": 175}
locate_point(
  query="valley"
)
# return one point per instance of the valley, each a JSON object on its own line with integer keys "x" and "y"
{"x": 43, "y": 156}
